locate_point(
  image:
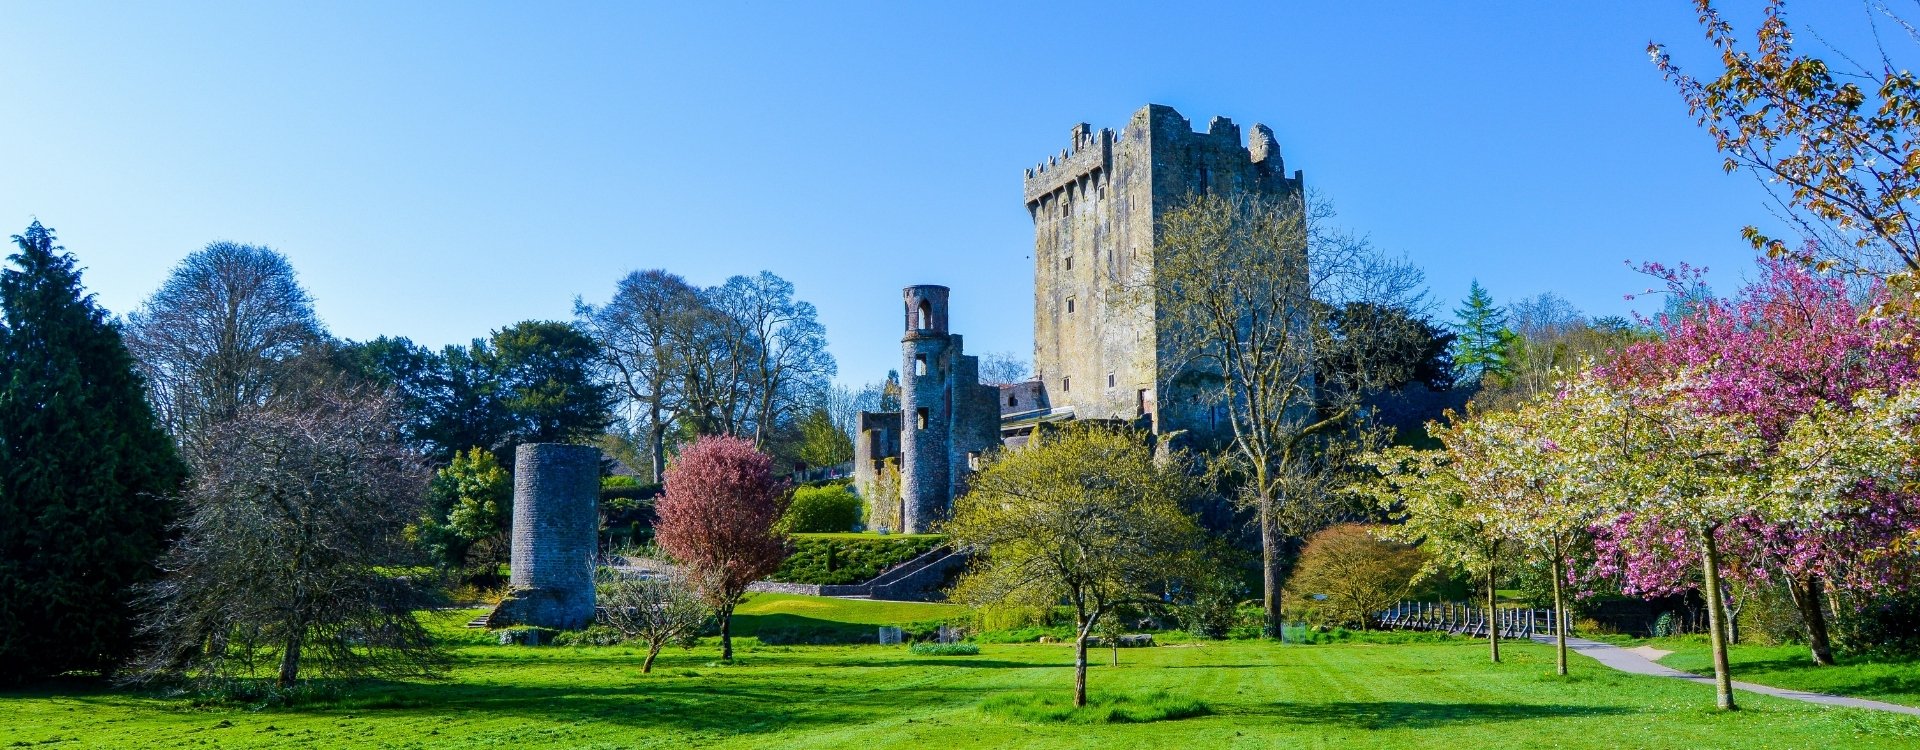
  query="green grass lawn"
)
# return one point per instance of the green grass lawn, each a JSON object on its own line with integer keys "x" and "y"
{"x": 1891, "y": 680}
{"x": 1248, "y": 694}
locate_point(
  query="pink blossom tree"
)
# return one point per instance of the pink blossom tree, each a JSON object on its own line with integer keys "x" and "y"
{"x": 1789, "y": 345}
{"x": 718, "y": 520}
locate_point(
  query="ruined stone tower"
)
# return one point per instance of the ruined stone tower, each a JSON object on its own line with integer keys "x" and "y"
{"x": 946, "y": 418}
{"x": 1098, "y": 349}
{"x": 556, "y": 525}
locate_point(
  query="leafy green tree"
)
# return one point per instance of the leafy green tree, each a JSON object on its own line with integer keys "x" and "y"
{"x": 87, "y": 476}
{"x": 1482, "y": 343}
{"x": 1086, "y": 515}
{"x": 546, "y": 371}
{"x": 531, "y": 382}
{"x": 472, "y": 501}
{"x": 1432, "y": 497}
{"x": 822, "y": 443}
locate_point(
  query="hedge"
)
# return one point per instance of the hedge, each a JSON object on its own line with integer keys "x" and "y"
{"x": 843, "y": 561}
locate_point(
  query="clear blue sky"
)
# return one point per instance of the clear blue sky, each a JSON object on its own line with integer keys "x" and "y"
{"x": 438, "y": 171}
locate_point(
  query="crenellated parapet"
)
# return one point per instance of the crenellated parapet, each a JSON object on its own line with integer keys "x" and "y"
{"x": 1088, "y": 154}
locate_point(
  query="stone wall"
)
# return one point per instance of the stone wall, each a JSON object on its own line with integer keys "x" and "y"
{"x": 556, "y": 521}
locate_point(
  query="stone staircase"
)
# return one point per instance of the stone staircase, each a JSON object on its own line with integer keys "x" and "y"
{"x": 918, "y": 579}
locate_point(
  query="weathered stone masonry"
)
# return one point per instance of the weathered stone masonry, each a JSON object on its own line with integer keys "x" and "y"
{"x": 947, "y": 419}
{"x": 1100, "y": 347}
{"x": 556, "y": 521}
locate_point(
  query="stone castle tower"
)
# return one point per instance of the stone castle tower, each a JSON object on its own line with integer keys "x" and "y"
{"x": 556, "y": 533}
{"x": 947, "y": 419}
{"x": 1099, "y": 349}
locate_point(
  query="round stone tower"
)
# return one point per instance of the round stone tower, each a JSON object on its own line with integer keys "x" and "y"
{"x": 556, "y": 522}
{"x": 926, "y": 410}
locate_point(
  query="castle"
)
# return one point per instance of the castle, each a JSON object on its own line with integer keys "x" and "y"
{"x": 1100, "y": 348}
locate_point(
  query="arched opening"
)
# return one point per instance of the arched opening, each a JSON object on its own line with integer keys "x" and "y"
{"x": 923, "y": 317}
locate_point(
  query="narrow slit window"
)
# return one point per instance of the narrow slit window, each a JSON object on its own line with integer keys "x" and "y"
{"x": 920, "y": 418}
{"x": 1069, "y": 304}
{"x": 1069, "y": 262}
{"x": 1110, "y": 380}
{"x": 1066, "y": 384}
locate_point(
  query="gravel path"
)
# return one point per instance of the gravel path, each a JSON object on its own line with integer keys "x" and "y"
{"x": 1637, "y": 661}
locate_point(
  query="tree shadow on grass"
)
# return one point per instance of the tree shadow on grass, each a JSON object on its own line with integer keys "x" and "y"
{"x": 654, "y": 702}
{"x": 1419, "y": 715}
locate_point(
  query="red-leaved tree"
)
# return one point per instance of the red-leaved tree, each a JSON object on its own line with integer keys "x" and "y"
{"x": 717, "y": 520}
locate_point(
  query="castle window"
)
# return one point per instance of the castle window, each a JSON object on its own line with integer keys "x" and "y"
{"x": 1204, "y": 175}
{"x": 973, "y": 460}
{"x": 924, "y": 315}
{"x": 919, "y": 364}
{"x": 1069, "y": 304}
{"x": 1110, "y": 380}
{"x": 1066, "y": 384}
{"x": 1013, "y": 400}
{"x": 1069, "y": 262}
{"x": 1066, "y": 208}
{"x": 920, "y": 417}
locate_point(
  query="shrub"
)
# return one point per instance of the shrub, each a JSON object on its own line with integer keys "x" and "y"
{"x": 1212, "y": 609}
{"x": 944, "y": 649}
{"x": 1156, "y": 705}
{"x": 827, "y": 509}
{"x": 595, "y": 635}
{"x": 1357, "y": 575}
{"x": 843, "y": 561}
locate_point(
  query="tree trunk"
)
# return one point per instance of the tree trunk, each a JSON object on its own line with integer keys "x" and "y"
{"x": 1807, "y": 593}
{"x": 1269, "y": 569}
{"x": 646, "y": 667}
{"x": 290, "y": 660}
{"x": 1716, "y": 622}
{"x": 657, "y": 446}
{"x": 1493, "y": 601}
{"x": 1559, "y": 606}
{"x": 1080, "y": 670}
{"x": 726, "y": 634}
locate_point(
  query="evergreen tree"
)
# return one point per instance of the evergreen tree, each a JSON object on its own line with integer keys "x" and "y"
{"x": 1483, "y": 341}
{"x": 87, "y": 477}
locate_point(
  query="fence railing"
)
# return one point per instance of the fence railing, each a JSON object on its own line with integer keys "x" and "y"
{"x": 1466, "y": 619}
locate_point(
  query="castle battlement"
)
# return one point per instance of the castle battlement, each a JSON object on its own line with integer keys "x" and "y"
{"x": 1090, "y": 154}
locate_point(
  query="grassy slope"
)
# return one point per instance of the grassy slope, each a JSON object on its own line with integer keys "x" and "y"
{"x": 1419, "y": 695}
{"x": 1891, "y": 680}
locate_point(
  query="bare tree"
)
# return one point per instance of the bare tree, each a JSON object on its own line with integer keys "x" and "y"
{"x": 640, "y": 332}
{"x": 657, "y": 610}
{"x": 221, "y": 335}
{"x": 293, "y": 509}
{"x": 1253, "y": 291}
{"x": 1004, "y": 368}
{"x": 781, "y": 344}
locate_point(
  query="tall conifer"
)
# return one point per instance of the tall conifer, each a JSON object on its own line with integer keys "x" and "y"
{"x": 87, "y": 477}
{"x": 1483, "y": 343}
